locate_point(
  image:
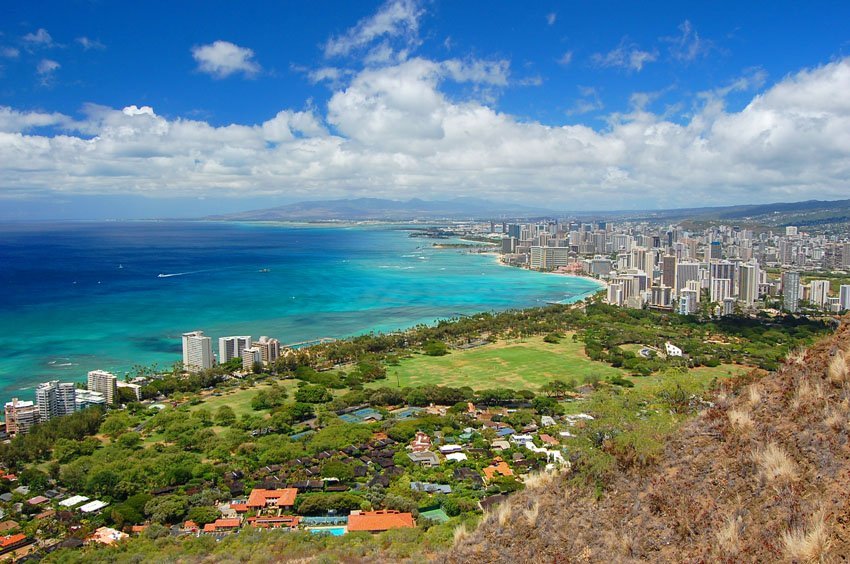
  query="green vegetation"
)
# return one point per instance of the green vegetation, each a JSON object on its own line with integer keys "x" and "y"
{"x": 219, "y": 434}
{"x": 525, "y": 364}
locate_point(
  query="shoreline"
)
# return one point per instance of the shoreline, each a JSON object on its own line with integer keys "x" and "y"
{"x": 535, "y": 295}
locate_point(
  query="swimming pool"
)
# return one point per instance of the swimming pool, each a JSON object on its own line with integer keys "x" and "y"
{"x": 335, "y": 531}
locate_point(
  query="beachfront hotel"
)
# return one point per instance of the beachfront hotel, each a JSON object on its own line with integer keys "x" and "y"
{"x": 105, "y": 383}
{"x": 197, "y": 351}
{"x": 232, "y": 347}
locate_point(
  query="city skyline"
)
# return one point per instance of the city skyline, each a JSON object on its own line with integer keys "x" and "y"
{"x": 650, "y": 107}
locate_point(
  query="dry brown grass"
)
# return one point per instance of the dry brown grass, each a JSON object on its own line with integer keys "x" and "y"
{"x": 754, "y": 394}
{"x": 741, "y": 420}
{"x": 531, "y": 514}
{"x": 808, "y": 393}
{"x": 836, "y": 417}
{"x": 837, "y": 371}
{"x": 809, "y": 544}
{"x": 503, "y": 513}
{"x": 774, "y": 464}
{"x": 539, "y": 479}
{"x": 729, "y": 537}
{"x": 460, "y": 533}
{"x": 797, "y": 356}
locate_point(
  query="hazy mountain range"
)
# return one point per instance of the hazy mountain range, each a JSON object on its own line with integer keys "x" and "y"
{"x": 802, "y": 213}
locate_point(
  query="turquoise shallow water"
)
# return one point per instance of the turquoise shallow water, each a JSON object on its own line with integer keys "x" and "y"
{"x": 80, "y": 296}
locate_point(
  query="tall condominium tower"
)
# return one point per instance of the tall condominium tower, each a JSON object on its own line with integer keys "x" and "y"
{"x": 791, "y": 290}
{"x": 197, "y": 351}
{"x": 55, "y": 399}
{"x": 232, "y": 347}
{"x": 104, "y": 382}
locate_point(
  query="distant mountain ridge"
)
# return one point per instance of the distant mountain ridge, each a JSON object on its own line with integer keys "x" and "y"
{"x": 384, "y": 209}
{"x": 809, "y": 212}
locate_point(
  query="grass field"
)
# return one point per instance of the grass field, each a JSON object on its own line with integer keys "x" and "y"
{"x": 240, "y": 400}
{"x": 525, "y": 364}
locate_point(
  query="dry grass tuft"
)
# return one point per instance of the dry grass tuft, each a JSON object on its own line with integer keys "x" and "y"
{"x": 531, "y": 514}
{"x": 797, "y": 356}
{"x": 503, "y": 513}
{"x": 835, "y": 417}
{"x": 774, "y": 464}
{"x": 539, "y": 479}
{"x": 754, "y": 394}
{"x": 837, "y": 370}
{"x": 807, "y": 393}
{"x": 460, "y": 533}
{"x": 808, "y": 545}
{"x": 740, "y": 420}
{"x": 729, "y": 536}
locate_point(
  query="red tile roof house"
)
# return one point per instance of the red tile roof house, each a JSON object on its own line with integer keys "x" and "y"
{"x": 271, "y": 522}
{"x": 379, "y": 521}
{"x": 271, "y": 499}
{"x": 222, "y": 526}
{"x": 421, "y": 442}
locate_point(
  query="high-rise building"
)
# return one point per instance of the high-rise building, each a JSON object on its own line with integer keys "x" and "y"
{"x": 844, "y": 297}
{"x": 231, "y": 347}
{"x": 685, "y": 272}
{"x": 668, "y": 271}
{"x": 20, "y": 416}
{"x": 819, "y": 291}
{"x": 791, "y": 290}
{"x": 715, "y": 250}
{"x": 269, "y": 349}
{"x": 104, "y": 382}
{"x": 748, "y": 282}
{"x": 197, "y": 351}
{"x": 548, "y": 258}
{"x": 55, "y": 399}
{"x": 790, "y": 231}
{"x": 724, "y": 270}
{"x": 720, "y": 289}
{"x": 250, "y": 356}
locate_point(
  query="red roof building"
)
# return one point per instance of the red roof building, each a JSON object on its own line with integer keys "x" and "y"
{"x": 421, "y": 442}
{"x": 275, "y": 522}
{"x": 378, "y": 521}
{"x": 260, "y": 498}
{"x": 222, "y": 525}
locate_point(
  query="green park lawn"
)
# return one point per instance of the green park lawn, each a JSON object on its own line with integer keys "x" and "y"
{"x": 240, "y": 400}
{"x": 520, "y": 364}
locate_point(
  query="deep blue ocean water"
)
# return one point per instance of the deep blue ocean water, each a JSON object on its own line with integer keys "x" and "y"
{"x": 79, "y": 296}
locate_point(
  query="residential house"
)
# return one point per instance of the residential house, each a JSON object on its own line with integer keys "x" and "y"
{"x": 421, "y": 442}
{"x": 261, "y": 499}
{"x": 222, "y": 526}
{"x": 497, "y": 467}
{"x": 106, "y": 535}
{"x": 424, "y": 458}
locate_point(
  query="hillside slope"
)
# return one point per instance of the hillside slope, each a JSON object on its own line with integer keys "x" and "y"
{"x": 763, "y": 475}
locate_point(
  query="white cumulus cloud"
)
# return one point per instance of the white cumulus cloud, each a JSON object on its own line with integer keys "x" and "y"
{"x": 394, "y": 132}
{"x": 39, "y": 38}
{"x": 223, "y": 58}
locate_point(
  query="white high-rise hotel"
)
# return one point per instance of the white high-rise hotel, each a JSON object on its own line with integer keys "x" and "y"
{"x": 55, "y": 399}
{"x": 231, "y": 347}
{"x": 104, "y": 383}
{"x": 197, "y": 351}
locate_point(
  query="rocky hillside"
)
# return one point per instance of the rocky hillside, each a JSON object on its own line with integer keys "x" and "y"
{"x": 762, "y": 476}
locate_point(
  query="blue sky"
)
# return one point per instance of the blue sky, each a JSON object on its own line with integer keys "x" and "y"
{"x": 186, "y": 108}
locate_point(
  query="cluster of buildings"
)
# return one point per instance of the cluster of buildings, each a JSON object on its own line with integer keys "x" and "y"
{"x": 57, "y": 399}
{"x": 198, "y": 355}
{"x": 676, "y": 268}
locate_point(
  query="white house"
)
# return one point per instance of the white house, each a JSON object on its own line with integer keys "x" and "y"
{"x": 672, "y": 350}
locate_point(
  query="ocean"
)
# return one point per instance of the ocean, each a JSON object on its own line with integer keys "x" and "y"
{"x": 76, "y": 296}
